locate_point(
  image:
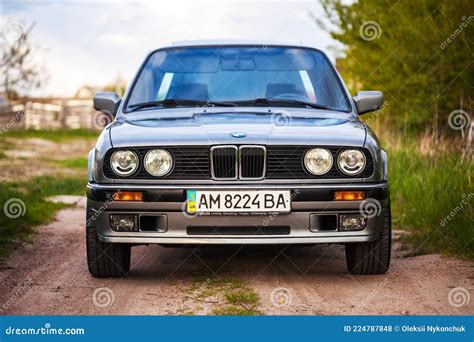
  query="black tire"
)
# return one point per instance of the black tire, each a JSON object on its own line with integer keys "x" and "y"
{"x": 105, "y": 260}
{"x": 372, "y": 257}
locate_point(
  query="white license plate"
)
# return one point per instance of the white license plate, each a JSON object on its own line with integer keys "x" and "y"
{"x": 239, "y": 201}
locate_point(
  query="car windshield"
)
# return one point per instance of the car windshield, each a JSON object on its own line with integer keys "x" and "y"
{"x": 239, "y": 76}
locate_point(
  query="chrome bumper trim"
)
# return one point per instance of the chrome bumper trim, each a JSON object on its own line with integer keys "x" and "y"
{"x": 367, "y": 186}
{"x": 236, "y": 240}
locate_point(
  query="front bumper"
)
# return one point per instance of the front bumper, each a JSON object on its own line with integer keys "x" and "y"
{"x": 169, "y": 201}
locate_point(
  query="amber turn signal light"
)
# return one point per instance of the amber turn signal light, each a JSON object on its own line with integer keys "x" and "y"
{"x": 349, "y": 195}
{"x": 127, "y": 196}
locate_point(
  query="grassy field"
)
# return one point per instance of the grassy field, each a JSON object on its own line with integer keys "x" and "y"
{"x": 30, "y": 205}
{"x": 48, "y": 171}
{"x": 56, "y": 136}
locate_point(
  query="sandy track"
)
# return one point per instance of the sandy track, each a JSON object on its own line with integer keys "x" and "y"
{"x": 49, "y": 276}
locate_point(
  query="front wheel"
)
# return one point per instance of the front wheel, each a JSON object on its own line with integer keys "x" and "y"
{"x": 372, "y": 257}
{"x": 106, "y": 260}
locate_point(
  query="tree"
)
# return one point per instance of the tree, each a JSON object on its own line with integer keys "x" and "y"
{"x": 419, "y": 53}
{"x": 19, "y": 72}
{"x": 119, "y": 85}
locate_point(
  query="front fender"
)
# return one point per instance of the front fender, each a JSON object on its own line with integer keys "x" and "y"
{"x": 380, "y": 157}
{"x": 384, "y": 165}
{"x": 91, "y": 165}
{"x": 97, "y": 154}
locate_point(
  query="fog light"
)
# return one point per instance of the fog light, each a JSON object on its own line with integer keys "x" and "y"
{"x": 351, "y": 222}
{"x": 124, "y": 223}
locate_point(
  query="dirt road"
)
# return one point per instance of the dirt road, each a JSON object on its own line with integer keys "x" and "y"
{"x": 49, "y": 276}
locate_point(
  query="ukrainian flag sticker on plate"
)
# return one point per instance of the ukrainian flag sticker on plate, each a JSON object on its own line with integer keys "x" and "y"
{"x": 191, "y": 201}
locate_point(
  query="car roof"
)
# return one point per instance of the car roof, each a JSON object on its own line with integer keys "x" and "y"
{"x": 221, "y": 42}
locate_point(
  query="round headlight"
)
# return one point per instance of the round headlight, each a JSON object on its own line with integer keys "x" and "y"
{"x": 318, "y": 161}
{"x": 351, "y": 162}
{"x": 158, "y": 163}
{"x": 124, "y": 162}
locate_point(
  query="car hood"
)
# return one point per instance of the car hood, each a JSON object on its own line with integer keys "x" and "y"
{"x": 237, "y": 126}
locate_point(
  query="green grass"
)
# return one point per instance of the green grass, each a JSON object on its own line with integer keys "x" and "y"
{"x": 241, "y": 296}
{"x": 75, "y": 163}
{"x": 36, "y": 210}
{"x": 238, "y": 298}
{"x": 425, "y": 190}
{"x": 56, "y": 136}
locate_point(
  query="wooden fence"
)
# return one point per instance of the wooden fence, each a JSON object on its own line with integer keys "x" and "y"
{"x": 67, "y": 114}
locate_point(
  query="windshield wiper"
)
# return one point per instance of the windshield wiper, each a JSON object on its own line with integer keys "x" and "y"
{"x": 179, "y": 102}
{"x": 270, "y": 101}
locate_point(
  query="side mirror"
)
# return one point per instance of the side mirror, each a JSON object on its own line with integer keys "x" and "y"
{"x": 368, "y": 101}
{"x": 107, "y": 102}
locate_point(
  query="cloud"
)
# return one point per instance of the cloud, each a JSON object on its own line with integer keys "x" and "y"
{"x": 92, "y": 42}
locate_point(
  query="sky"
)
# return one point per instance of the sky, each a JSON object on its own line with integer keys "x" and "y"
{"x": 92, "y": 42}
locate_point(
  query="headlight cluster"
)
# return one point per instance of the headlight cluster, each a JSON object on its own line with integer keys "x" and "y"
{"x": 351, "y": 162}
{"x": 319, "y": 161}
{"x": 124, "y": 163}
{"x": 157, "y": 163}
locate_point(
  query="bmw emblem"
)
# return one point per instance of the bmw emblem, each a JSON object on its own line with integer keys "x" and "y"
{"x": 238, "y": 135}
